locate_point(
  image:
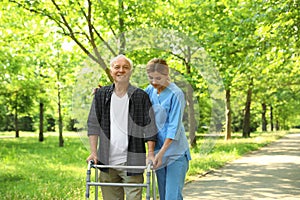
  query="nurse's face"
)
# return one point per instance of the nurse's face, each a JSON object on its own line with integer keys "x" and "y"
{"x": 158, "y": 81}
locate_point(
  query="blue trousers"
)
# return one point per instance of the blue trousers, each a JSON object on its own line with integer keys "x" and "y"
{"x": 171, "y": 179}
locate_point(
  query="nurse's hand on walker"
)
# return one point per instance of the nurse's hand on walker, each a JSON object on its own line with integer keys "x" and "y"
{"x": 158, "y": 157}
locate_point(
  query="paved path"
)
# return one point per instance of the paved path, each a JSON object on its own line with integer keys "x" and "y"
{"x": 272, "y": 172}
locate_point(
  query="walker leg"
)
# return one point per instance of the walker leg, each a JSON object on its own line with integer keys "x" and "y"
{"x": 153, "y": 185}
{"x": 96, "y": 187}
{"x": 88, "y": 180}
{"x": 148, "y": 185}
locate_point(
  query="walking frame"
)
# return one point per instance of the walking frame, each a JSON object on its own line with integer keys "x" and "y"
{"x": 149, "y": 171}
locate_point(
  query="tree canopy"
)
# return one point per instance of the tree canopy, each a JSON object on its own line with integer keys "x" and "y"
{"x": 237, "y": 61}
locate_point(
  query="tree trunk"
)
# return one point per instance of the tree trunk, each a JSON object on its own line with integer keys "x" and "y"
{"x": 263, "y": 117}
{"x": 190, "y": 101}
{"x": 271, "y": 118}
{"x": 277, "y": 127}
{"x": 228, "y": 115}
{"x": 16, "y": 121}
{"x": 41, "y": 127}
{"x": 122, "y": 40}
{"x": 191, "y": 114}
{"x": 60, "y": 123}
{"x": 246, "y": 123}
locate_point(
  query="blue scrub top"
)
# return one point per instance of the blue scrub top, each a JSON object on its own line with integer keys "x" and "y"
{"x": 169, "y": 108}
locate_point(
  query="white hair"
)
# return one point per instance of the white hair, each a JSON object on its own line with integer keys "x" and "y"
{"x": 112, "y": 61}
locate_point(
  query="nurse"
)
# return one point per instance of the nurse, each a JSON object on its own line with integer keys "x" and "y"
{"x": 172, "y": 152}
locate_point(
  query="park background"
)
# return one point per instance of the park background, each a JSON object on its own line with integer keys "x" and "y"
{"x": 237, "y": 62}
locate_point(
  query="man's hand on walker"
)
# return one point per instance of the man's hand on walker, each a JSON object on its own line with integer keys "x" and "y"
{"x": 92, "y": 157}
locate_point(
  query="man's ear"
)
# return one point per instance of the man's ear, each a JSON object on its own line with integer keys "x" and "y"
{"x": 131, "y": 72}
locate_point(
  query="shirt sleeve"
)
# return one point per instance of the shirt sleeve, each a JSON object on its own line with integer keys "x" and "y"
{"x": 150, "y": 129}
{"x": 175, "y": 116}
{"x": 92, "y": 122}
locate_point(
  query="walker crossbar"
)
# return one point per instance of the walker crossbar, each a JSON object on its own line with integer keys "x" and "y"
{"x": 117, "y": 184}
{"x": 149, "y": 169}
{"x": 119, "y": 167}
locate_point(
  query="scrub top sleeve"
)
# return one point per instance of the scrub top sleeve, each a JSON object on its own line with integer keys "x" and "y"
{"x": 175, "y": 117}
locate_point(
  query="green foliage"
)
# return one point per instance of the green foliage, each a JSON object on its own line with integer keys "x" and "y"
{"x": 243, "y": 41}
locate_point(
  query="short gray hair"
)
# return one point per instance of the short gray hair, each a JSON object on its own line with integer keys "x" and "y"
{"x": 113, "y": 60}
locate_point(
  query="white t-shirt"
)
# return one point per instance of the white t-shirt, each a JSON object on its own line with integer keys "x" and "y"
{"x": 118, "y": 129}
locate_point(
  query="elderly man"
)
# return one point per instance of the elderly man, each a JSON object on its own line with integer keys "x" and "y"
{"x": 122, "y": 119}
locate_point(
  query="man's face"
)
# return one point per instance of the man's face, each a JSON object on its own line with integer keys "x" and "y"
{"x": 121, "y": 71}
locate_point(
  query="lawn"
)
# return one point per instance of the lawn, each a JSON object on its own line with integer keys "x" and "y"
{"x": 41, "y": 170}
{"x": 33, "y": 170}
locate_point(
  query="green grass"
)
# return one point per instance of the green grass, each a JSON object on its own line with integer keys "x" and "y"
{"x": 33, "y": 170}
{"x": 41, "y": 170}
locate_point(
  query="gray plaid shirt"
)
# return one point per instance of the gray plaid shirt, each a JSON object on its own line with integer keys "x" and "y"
{"x": 141, "y": 124}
